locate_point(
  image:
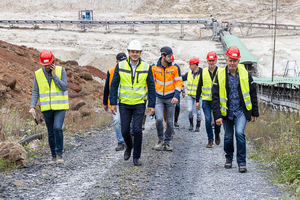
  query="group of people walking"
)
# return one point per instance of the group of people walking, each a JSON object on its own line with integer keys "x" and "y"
{"x": 226, "y": 95}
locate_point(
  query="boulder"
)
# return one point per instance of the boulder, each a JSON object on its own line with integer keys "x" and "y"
{"x": 75, "y": 116}
{"x": 85, "y": 111}
{"x": 77, "y": 105}
{"x": 14, "y": 152}
{"x": 72, "y": 62}
{"x": 12, "y": 82}
{"x": 2, "y": 92}
{"x": 86, "y": 76}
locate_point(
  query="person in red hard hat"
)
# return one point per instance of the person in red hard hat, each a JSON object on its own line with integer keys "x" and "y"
{"x": 234, "y": 101}
{"x": 192, "y": 78}
{"x": 50, "y": 86}
{"x": 204, "y": 90}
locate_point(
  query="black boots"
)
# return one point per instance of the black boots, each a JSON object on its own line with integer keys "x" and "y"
{"x": 197, "y": 129}
{"x": 176, "y": 119}
{"x": 191, "y": 124}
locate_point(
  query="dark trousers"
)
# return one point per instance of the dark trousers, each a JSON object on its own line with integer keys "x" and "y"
{"x": 54, "y": 121}
{"x": 135, "y": 113}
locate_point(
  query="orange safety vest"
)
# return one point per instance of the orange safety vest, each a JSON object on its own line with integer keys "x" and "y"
{"x": 111, "y": 72}
{"x": 166, "y": 80}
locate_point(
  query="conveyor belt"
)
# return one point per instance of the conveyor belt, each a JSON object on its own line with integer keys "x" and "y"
{"x": 89, "y": 22}
{"x": 263, "y": 25}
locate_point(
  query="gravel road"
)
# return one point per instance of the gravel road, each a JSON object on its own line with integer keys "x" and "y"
{"x": 93, "y": 170}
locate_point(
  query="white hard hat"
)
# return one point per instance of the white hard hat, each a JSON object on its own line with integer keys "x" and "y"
{"x": 135, "y": 45}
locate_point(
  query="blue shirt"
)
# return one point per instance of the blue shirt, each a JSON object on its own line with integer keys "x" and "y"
{"x": 234, "y": 101}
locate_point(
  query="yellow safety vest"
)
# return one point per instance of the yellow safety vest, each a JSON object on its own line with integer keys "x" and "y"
{"x": 51, "y": 98}
{"x": 244, "y": 83}
{"x": 136, "y": 92}
{"x": 207, "y": 84}
{"x": 192, "y": 83}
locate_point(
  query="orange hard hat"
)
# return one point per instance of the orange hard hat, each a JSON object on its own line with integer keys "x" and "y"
{"x": 173, "y": 58}
{"x": 211, "y": 56}
{"x": 193, "y": 61}
{"x": 233, "y": 52}
{"x": 46, "y": 57}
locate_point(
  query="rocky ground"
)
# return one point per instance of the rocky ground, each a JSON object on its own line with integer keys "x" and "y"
{"x": 93, "y": 170}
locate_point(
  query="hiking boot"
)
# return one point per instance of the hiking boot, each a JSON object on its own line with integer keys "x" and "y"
{"x": 197, "y": 129}
{"x": 191, "y": 124}
{"x": 176, "y": 125}
{"x": 242, "y": 169}
{"x": 159, "y": 146}
{"x": 210, "y": 144}
{"x": 217, "y": 139}
{"x": 228, "y": 163}
{"x": 59, "y": 159}
{"x": 52, "y": 161}
{"x": 167, "y": 147}
{"x": 120, "y": 146}
{"x": 137, "y": 162}
{"x": 127, "y": 153}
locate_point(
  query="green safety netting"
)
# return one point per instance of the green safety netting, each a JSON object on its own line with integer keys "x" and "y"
{"x": 246, "y": 55}
{"x": 276, "y": 80}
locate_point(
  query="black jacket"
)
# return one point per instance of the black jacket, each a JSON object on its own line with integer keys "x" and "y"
{"x": 216, "y": 99}
{"x": 116, "y": 82}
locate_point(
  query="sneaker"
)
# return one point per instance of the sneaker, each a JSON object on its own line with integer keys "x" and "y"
{"x": 159, "y": 146}
{"x": 210, "y": 144}
{"x": 120, "y": 146}
{"x": 242, "y": 169}
{"x": 167, "y": 147}
{"x": 52, "y": 160}
{"x": 59, "y": 159}
{"x": 228, "y": 163}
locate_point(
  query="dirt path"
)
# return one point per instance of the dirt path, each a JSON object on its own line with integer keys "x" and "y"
{"x": 93, "y": 170}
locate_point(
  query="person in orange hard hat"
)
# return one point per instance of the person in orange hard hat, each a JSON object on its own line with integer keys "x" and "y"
{"x": 168, "y": 84}
{"x": 106, "y": 103}
{"x": 204, "y": 90}
{"x": 234, "y": 102}
{"x": 192, "y": 78}
{"x": 50, "y": 86}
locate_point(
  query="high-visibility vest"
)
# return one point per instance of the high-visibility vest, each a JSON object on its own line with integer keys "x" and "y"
{"x": 244, "y": 83}
{"x": 207, "y": 84}
{"x": 111, "y": 72}
{"x": 51, "y": 98}
{"x": 166, "y": 80}
{"x": 192, "y": 83}
{"x": 135, "y": 92}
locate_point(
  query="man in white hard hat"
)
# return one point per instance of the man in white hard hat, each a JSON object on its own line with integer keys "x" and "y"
{"x": 134, "y": 77}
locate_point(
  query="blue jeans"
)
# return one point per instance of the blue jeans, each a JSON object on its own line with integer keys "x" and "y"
{"x": 54, "y": 121}
{"x": 192, "y": 106}
{"x": 117, "y": 126}
{"x": 206, "y": 106}
{"x": 127, "y": 113}
{"x": 159, "y": 114}
{"x": 239, "y": 125}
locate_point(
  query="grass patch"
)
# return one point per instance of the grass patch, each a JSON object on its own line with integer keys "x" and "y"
{"x": 275, "y": 136}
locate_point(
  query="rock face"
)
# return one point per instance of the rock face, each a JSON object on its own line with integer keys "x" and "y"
{"x": 14, "y": 152}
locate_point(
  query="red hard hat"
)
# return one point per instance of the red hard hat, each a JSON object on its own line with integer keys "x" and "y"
{"x": 233, "y": 52}
{"x": 173, "y": 58}
{"x": 194, "y": 61}
{"x": 211, "y": 56}
{"x": 46, "y": 57}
